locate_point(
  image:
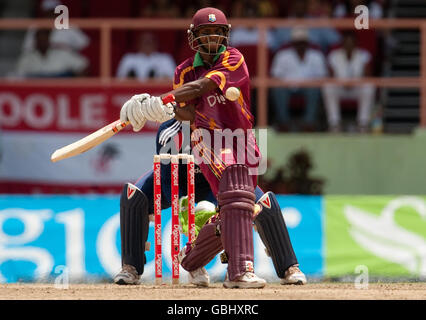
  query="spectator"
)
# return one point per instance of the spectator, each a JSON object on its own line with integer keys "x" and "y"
{"x": 299, "y": 62}
{"x": 349, "y": 62}
{"x": 46, "y": 61}
{"x": 72, "y": 38}
{"x": 147, "y": 62}
{"x": 244, "y": 36}
{"x": 323, "y": 38}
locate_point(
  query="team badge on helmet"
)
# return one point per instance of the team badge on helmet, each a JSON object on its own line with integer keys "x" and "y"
{"x": 212, "y": 17}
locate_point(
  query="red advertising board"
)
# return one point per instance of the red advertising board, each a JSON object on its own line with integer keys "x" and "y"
{"x": 38, "y": 118}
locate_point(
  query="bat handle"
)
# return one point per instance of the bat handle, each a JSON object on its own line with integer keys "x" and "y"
{"x": 118, "y": 125}
{"x": 169, "y": 98}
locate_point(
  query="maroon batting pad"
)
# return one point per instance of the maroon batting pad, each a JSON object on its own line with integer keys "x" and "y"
{"x": 236, "y": 202}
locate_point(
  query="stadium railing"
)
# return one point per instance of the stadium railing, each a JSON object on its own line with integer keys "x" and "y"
{"x": 262, "y": 81}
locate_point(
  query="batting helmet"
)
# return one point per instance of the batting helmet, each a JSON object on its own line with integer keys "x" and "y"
{"x": 208, "y": 17}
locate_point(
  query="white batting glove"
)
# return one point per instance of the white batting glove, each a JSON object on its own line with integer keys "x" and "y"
{"x": 154, "y": 109}
{"x": 132, "y": 111}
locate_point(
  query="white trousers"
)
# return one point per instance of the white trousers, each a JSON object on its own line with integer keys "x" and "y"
{"x": 364, "y": 94}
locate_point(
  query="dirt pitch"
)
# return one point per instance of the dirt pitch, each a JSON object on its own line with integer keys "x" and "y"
{"x": 313, "y": 291}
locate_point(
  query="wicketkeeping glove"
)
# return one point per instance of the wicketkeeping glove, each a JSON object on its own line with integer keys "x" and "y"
{"x": 203, "y": 212}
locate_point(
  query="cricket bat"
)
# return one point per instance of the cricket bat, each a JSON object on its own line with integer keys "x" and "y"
{"x": 95, "y": 138}
{"x": 88, "y": 142}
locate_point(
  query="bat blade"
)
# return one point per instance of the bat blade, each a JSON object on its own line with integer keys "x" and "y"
{"x": 88, "y": 142}
{"x": 95, "y": 138}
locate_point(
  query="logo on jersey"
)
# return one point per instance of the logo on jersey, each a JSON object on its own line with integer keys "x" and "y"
{"x": 216, "y": 98}
{"x": 265, "y": 201}
{"x": 212, "y": 17}
{"x": 130, "y": 190}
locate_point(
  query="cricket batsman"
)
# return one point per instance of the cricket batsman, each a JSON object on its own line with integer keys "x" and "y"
{"x": 199, "y": 87}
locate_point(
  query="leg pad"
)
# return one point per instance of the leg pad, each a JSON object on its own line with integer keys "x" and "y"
{"x": 273, "y": 231}
{"x": 204, "y": 249}
{"x": 134, "y": 226}
{"x": 236, "y": 203}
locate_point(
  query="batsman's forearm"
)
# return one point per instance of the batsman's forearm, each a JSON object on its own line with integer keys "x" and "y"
{"x": 186, "y": 113}
{"x": 192, "y": 90}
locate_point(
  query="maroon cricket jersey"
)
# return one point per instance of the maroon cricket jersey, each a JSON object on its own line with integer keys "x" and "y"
{"x": 213, "y": 111}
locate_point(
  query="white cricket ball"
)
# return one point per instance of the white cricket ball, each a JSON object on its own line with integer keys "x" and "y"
{"x": 232, "y": 93}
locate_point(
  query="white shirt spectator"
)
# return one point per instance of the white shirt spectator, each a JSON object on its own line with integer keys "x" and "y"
{"x": 344, "y": 68}
{"x": 72, "y": 38}
{"x": 287, "y": 65}
{"x": 156, "y": 65}
{"x": 56, "y": 62}
{"x": 242, "y": 36}
{"x": 324, "y": 38}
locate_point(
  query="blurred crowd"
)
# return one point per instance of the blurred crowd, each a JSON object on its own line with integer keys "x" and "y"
{"x": 294, "y": 176}
{"x": 294, "y": 54}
